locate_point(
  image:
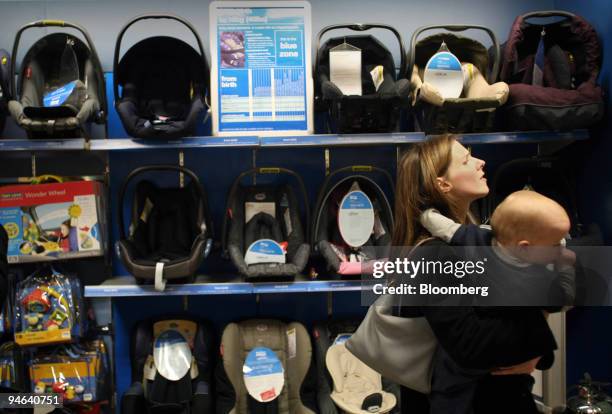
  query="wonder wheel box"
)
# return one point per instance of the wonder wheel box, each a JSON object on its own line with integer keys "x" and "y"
{"x": 53, "y": 221}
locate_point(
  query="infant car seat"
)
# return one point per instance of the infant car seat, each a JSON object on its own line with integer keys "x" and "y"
{"x": 474, "y": 110}
{"x": 61, "y": 84}
{"x": 325, "y": 335}
{"x": 378, "y": 108}
{"x": 565, "y": 57}
{"x": 5, "y": 67}
{"x": 170, "y": 229}
{"x": 290, "y": 343}
{"x": 270, "y": 215}
{"x": 164, "y": 83}
{"x": 327, "y": 239}
{"x": 166, "y": 384}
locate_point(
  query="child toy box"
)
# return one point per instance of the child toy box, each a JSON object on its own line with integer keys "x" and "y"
{"x": 53, "y": 221}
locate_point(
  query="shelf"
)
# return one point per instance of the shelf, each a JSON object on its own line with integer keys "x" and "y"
{"x": 72, "y": 144}
{"x": 127, "y": 144}
{"x": 533, "y": 137}
{"x": 343, "y": 140}
{"x": 127, "y": 287}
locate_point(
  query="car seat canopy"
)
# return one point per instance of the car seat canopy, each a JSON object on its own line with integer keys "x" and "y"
{"x": 568, "y": 96}
{"x": 163, "y": 84}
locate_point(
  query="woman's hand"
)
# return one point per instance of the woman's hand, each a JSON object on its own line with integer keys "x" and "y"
{"x": 526, "y": 367}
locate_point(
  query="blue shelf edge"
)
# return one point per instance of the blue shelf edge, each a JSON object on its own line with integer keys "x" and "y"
{"x": 231, "y": 288}
{"x": 127, "y": 144}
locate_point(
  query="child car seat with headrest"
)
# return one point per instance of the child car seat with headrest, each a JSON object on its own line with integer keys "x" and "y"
{"x": 384, "y": 93}
{"x": 164, "y": 83}
{"x": 325, "y": 335}
{"x": 552, "y": 69}
{"x": 5, "y": 70}
{"x": 327, "y": 237}
{"x": 61, "y": 84}
{"x": 266, "y": 219}
{"x": 170, "y": 229}
{"x": 474, "y": 109}
{"x": 172, "y": 368}
{"x": 289, "y": 346}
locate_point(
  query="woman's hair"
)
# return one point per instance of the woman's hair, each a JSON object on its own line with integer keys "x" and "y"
{"x": 417, "y": 188}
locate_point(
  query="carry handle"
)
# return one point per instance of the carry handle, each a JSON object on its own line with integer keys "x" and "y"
{"x": 548, "y": 13}
{"x": 162, "y": 167}
{"x": 351, "y": 168}
{"x": 153, "y": 16}
{"x": 361, "y": 27}
{"x": 101, "y": 116}
{"x": 262, "y": 171}
{"x": 492, "y": 76}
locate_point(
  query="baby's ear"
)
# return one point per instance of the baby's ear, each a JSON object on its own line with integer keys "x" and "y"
{"x": 523, "y": 243}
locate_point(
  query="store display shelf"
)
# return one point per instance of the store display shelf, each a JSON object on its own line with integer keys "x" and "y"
{"x": 343, "y": 140}
{"x": 532, "y": 137}
{"x": 71, "y": 144}
{"x": 126, "y": 287}
{"x": 126, "y": 144}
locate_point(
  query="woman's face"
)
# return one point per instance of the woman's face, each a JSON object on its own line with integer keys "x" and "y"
{"x": 465, "y": 179}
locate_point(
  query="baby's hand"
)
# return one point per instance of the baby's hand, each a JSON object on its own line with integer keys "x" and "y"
{"x": 566, "y": 258}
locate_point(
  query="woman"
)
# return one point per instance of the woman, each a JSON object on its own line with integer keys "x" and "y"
{"x": 441, "y": 173}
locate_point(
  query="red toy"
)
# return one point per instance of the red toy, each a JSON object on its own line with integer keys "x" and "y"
{"x": 37, "y": 301}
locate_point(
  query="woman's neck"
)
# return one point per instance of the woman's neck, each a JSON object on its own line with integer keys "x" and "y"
{"x": 462, "y": 211}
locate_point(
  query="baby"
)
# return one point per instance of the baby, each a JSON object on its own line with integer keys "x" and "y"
{"x": 527, "y": 235}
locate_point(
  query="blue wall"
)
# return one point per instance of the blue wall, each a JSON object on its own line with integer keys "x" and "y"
{"x": 589, "y": 335}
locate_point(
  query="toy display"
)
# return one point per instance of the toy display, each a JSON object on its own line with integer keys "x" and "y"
{"x": 48, "y": 309}
{"x": 78, "y": 373}
{"x": 53, "y": 221}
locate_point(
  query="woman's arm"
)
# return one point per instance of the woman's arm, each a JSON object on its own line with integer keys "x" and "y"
{"x": 480, "y": 341}
{"x": 484, "y": 337}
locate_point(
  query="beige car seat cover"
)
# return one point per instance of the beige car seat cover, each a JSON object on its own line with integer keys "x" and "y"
{"x": 354, "y": 381}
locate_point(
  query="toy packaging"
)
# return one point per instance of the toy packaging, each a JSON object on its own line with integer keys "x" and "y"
{"x": 48, "y": 309}
{"x": 76, "y": 372}
{"x": 53, "y": 221}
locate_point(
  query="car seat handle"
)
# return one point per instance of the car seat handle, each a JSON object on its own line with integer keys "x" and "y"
{"x": 325, "y": 188}
{"x": 261, "y": 171}
{"x": 160, "y": 167}
{"x": 153, "y": 16}
{"x": 492, "y": 75}
{"x": 548, "y": 13}
{"x": 100, "y": 117}
{"x": 362, "y": 27}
